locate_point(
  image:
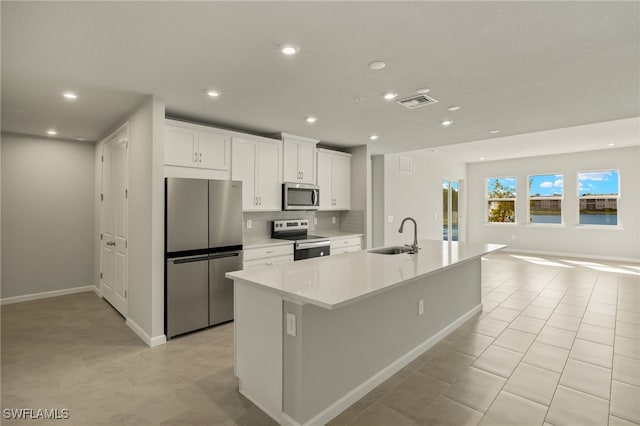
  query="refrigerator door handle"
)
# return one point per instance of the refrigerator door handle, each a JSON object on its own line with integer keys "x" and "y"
{"x": 223, "y": 255}
{"x": 190, "y": 260}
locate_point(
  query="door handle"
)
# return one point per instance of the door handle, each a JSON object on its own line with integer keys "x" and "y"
{"x": 111, "y": 243}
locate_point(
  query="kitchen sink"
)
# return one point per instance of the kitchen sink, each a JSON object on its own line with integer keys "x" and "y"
{"x": 391, "y": 250}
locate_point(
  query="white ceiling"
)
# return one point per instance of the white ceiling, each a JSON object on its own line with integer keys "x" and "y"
{"x": 519, "y": 67}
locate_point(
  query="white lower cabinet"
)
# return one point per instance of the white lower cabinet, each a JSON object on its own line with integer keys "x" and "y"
{"x": 267, "y": 256}
{"x": 345, "y": 245}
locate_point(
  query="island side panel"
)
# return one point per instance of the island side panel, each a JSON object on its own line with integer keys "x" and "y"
{"x": 258, "y": 346}
{"x": 338, "y": 355}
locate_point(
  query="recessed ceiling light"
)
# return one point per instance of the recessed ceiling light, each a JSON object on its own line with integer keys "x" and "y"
{"x": 81, "y": 139}
{"x": 611, "y": 144}
{"x": 493, "y": 132}
{"x": 311, "y": 119}
{"x": 447, "y": 123}
{"x": 70, "y": 95}
{"x": 423, "y": 91}
{"x": 289, "y": 49}
{"x": 390, "y": 95}
{"x": 453, "y": 108}
{"x": 51, "y": 132}
{"x": 358, "y": 99}
{"x": 373, "y": 137}
{"x": 213, "y": 93}
{"x": 377, "y": 65}
{"x": 481, "y": 158}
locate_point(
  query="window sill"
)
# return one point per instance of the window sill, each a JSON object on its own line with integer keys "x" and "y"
{"x": 600, "y": 227}
{"x": 546, "y": 225}
{"x": 501, "y": 224}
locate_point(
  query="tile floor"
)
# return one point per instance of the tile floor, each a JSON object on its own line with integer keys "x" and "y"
{"x": 558, "y": 343}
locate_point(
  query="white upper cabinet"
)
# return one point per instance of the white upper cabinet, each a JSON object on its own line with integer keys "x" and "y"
{"x": 257, "y": 162}
{"x": 334, "y": 180}
{"x": 299, "y": 159}
{"x": 193, "y": 145}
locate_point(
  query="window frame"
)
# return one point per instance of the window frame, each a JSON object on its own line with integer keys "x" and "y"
{"x": 617, "y": 197}
{"x": 533, "y": 198}
{"x": 488, "y": 200}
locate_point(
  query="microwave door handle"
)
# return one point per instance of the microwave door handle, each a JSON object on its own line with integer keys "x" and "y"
{"x": 314, "y": 197}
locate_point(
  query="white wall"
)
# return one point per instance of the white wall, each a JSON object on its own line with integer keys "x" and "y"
{"x": 417, "y": 194}
{"x": 567, "y": 239}
{"x": 47, "y": 215}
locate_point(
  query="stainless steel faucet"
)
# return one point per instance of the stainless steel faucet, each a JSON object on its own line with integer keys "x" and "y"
{"x": 414, "y": 246}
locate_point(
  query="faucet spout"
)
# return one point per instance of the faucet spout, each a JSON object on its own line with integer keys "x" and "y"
{"x": 414, "y": 246}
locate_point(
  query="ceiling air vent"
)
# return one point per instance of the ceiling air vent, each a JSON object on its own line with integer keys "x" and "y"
{"x": 417, "y": 101}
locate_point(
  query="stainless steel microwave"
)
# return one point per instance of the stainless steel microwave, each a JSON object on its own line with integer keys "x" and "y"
{"x": 300, "y": 196}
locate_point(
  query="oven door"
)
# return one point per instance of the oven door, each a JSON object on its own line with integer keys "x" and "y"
{"x": 312, "y": 249}
{"x": 297, "y": 196}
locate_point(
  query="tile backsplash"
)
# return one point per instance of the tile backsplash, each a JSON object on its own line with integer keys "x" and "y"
{"x": 346, "y": 221}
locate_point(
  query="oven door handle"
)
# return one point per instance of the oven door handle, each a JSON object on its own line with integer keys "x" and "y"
{"x": 302, "y": 246}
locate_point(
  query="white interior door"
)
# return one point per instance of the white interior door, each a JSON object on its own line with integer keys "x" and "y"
{"x": 113, "y": 214}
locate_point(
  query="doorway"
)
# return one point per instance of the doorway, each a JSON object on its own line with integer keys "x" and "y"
{"x": 114, "y": 219}
{"x": 450, "y": 210}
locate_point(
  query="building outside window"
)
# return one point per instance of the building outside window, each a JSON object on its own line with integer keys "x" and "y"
{"x": 598, "y": 194}
{"x": 501, "y": 200}
{"x": 545, "y": 198}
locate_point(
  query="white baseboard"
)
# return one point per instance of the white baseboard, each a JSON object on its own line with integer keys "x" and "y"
{"x": 354, "y": 395}
{"x": 151, "y": 341}
{"x": 47, "y": 294}
{"x": 570, "y": 255}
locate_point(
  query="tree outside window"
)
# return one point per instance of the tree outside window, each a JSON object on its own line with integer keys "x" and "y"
{"x": 501, "y": 200}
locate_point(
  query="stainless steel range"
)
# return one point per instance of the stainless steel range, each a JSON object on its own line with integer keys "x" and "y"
{"x": 306, "y": 246}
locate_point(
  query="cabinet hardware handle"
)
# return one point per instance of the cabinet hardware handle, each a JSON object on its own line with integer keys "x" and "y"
{"x": 195, "y": 159}
{"x": 201, "y": 157}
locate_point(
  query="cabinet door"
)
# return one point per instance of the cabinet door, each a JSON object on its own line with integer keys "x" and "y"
{"x": 290, "y": 157}
{"x": 324, "y": 180}
{"x": 307, "y": 162}
{"x": 214, "y": 151}
{"x": 180, "y": 146}
{"x": 269, "y": 181}
{"x": 243, "y": 168}
{"x": 341, "y": 182}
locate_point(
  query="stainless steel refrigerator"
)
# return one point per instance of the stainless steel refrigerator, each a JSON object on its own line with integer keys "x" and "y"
{"x": 203, "y": 241}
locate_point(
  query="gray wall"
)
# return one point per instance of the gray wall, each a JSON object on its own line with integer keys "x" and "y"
{"x": 47, "y": 214}
{"x": 566, "y": 239}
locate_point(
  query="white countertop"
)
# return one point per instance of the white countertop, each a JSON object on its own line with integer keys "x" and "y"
{"x": 263, "y": 241}
{"x": 333, "y": 281}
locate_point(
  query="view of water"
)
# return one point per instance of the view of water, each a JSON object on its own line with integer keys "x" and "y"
{"x": 585, "y": 219}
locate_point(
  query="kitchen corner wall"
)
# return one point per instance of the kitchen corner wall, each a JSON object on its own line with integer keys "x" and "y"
{"x": 261, "y": 221}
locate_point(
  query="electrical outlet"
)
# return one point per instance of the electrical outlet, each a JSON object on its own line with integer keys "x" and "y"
{"x": 389, "y": 218}
{"x": 249, "y": 224}
{"x": 291, "y": 324}
{"x": 333, "y": 220}
{"x": 420, "y": 307}
{"x": 315, "y": 220}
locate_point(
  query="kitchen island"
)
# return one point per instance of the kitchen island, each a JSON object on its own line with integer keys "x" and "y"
{"x": 314, "y": 336}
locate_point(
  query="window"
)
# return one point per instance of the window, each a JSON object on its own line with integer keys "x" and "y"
{"x": 545, "y": 198}
{"x": 598, "y": 193}
{"x": 501, "y": 200}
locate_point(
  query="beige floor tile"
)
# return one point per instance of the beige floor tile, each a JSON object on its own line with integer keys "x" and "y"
{"x": 628, "y": 329}
{"x": 566, "y": 322}
{"x": 472, "y": 343}
{"x": 411, "y": 397}
{"x": 596, "y": 334}
{"x": 627, "y": 347}
{"x": 571, "y": 407}
{"x": 446, "y": 412}
{"x": 556, "y": 337}
{"x": 617, "y": 421}
{"x": 587, "y": 378}
{"x": 498, "y": 361}
{"x": 489, "y": 327}
{"x": 539, "y": 312}
{"x": 626, "y": 370}
{"x": 545, "y": 356}
{"x": 601, "y": 308}
{"x": 515, "y": 303}
{"x": 515, "y": 340}
{"x": 476, "y": 389}
{"x": 593, "y": 353}
{"x": 349, "y": 414}
{"x": 533, "y": 383}
{"x": 628, "y": 305}
{"x": 625, "y": 401}
{"x": 546, "y": 302}
{"x": 510, "y": 409}
{"x": 527, "y": 324}
{"x": 448, "y": 365}
{"x": 379, "y": 414}
{"x": 503, "y": 314}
